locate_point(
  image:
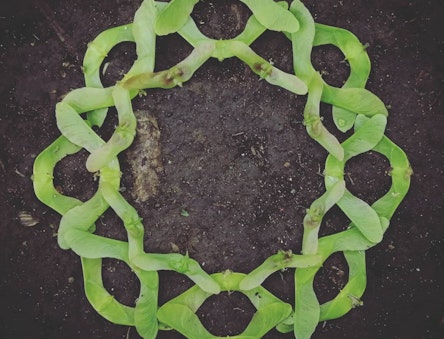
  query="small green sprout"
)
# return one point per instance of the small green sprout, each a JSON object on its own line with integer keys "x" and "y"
{"x": 184, "y": 213}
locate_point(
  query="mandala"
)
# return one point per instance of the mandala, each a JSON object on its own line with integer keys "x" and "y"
{"x": 355, "y": 109}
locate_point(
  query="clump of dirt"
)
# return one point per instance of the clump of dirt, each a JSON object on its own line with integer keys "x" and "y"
{"x": 144, "y": 158}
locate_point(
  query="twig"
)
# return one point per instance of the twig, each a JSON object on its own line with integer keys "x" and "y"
{"x": 48, "y": 13}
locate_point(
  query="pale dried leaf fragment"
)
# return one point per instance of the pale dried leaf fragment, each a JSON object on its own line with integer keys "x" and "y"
{"x": 27, "y": 219}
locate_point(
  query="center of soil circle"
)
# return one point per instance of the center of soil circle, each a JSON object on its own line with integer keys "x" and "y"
{"x": 223, "y": 170}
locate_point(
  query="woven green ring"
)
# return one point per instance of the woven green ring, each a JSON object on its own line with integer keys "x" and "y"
{"x": 353, "y": 106}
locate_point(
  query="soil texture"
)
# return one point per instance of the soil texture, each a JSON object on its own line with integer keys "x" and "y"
{"x": 230, "y": 167}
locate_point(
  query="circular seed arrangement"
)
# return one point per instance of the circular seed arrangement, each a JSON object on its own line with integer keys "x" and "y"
{"x": 354, "y": 108}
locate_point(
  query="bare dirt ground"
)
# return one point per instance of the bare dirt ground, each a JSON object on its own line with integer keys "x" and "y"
{"x": 233, "y": 154}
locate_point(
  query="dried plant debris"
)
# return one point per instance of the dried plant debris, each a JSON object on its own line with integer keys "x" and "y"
{"x": 27, "y": 219}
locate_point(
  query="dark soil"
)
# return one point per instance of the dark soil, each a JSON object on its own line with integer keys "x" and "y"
{"x": 235, "y": 156}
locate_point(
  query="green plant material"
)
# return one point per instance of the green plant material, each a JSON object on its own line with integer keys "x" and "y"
{"x": 43, "y": 177}
{"x": 358, "y": 100}
{"x": 313, "y": 120}
{"x": 277, "y": 262}
{"x": 302, "y": 42}
{"x": 99, "y": 297}
{"x": 356, "y": 56}
{"x": 352, "y": 98}
{"x": 359, "y": 212}
{"x": 272, "y": 15}
{"x": 97, "y": 50}
{"x": 153, "y": 261}
{"x": 353, "y": 107}
{"x": 315, "y": 214}
{"x": 253, "y": 30}
{"x": 123, "y": 135}
{"x": 141, "y": 32}
{"x": 362, "y": 216}
{"x": 179, "y": 313}
{"x": 307, "y": 308}
{"x": 354, "y": 52}
{"x": 173, "y": 16}
{"x": 354, "y": 289}
{"x": 266, "y": 70}
{"x": 145, "y": 311}
{"x": 354, "y": 244}
{"x": 176, "y": 75}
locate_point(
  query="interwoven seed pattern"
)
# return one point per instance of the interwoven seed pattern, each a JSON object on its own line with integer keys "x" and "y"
{"x": 354, "y": 107}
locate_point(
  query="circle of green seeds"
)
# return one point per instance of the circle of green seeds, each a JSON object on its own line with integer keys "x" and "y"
{"x": 354, "y": 107}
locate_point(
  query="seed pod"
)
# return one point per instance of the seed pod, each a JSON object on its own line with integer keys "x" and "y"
{"x": 26, "y": 219}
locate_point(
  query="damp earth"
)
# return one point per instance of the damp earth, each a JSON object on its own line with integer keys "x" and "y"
{"x": 222, "y": 168}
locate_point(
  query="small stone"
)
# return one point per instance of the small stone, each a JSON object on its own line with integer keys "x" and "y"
{"x": 174, "y": 247}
